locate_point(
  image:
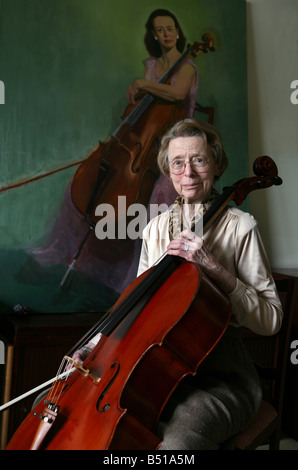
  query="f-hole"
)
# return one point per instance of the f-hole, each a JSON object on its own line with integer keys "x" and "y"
{"x": 107, "y": 405}
{"x": 133, "y": 167}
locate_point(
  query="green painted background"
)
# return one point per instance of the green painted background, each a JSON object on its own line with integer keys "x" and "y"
{"x": 66, "y": 65}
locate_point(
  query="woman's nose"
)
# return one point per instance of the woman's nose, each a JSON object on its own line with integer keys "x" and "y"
{"x": 188, "y": 170}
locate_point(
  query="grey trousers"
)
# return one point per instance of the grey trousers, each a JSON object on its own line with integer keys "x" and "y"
{"x": 207, "y": 410}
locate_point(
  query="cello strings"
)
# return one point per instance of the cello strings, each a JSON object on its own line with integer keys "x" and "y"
{"x": 135, "y": 115}
{"x": 58, "y": 383}
{"x": 55, "y": 384}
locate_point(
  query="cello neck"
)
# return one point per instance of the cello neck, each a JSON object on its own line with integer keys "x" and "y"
{"x": 177, "y": 64}
{"x": 216, "y": 208}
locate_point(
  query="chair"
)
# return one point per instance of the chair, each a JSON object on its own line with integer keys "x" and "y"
{"x": 271, "y": 355}
{"x": 209, "y": 110}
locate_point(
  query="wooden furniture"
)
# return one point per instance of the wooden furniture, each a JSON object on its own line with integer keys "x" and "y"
{"x": 290, "y": 411}
{"x": 271, "y": 356}
{"x": 34, "y": 347}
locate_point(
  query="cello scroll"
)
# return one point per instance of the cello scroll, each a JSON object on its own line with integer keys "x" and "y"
{"x": 266, "y": 175}
{"x": 206, "y": 46}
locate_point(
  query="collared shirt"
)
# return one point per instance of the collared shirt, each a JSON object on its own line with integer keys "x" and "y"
{"x": 235, "y": 241}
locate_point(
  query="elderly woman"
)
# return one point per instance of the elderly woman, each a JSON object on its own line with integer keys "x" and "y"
{"x": 209, "y": 409}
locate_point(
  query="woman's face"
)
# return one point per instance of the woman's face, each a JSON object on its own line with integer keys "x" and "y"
{"x": 165, "y": 31}
{"x": 194, "y": 183}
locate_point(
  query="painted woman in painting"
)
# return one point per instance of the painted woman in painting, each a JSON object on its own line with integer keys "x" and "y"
{"x": 165, "y": 42}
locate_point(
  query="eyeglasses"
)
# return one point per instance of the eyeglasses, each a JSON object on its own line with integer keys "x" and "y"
{"x": 198, "y": 164}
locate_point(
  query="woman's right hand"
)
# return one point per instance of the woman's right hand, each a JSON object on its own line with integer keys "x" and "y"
{"x": 81, "y": 355}
{"x": 133, "y": 90}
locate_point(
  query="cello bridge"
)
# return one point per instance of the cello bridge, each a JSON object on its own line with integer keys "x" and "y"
{"x": 83, "y": 370}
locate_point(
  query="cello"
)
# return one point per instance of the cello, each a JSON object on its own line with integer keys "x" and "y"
{"x": 150, "y": 337}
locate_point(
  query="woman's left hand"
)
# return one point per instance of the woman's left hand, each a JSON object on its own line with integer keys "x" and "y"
{"x": 191, "y": 247}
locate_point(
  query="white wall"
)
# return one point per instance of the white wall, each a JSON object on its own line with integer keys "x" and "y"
{"x": 272, "y": 48}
